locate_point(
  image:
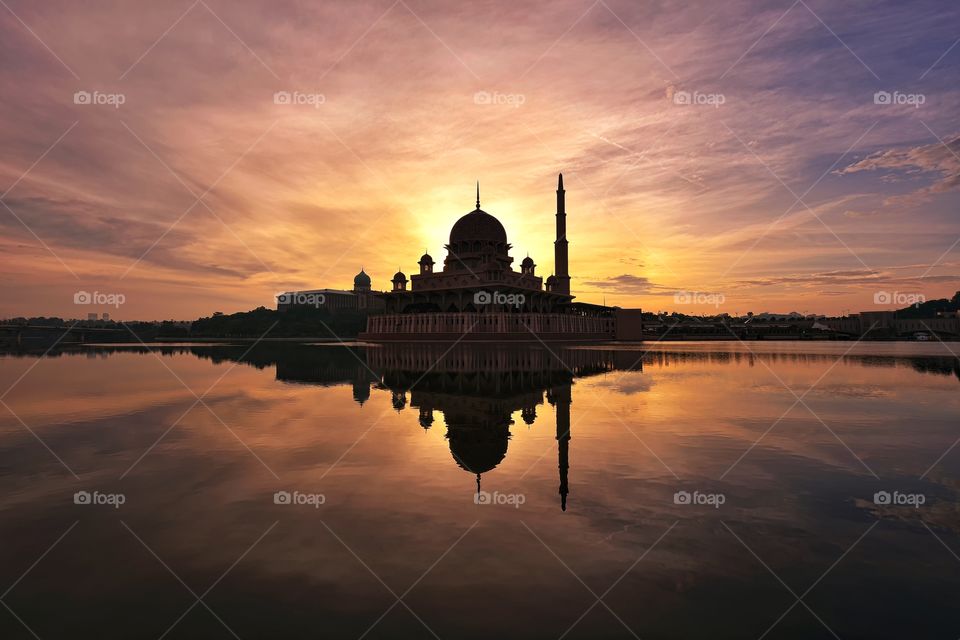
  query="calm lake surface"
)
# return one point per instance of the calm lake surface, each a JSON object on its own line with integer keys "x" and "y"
{"x": 676, "y": 490}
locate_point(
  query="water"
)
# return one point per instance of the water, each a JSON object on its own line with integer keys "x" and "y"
{"x": 381, "y": 448}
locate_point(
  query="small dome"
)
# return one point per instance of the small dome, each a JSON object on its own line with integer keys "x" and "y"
{"x": 361, "y": 391}
{"x": 527, "y": 262}
{"x": 551, "y": 279}
{"x": 425, "y": 258}
{"x": 477, "y": 225}
{"x": 361, "y": 279}
{"x": 399, "y": 276}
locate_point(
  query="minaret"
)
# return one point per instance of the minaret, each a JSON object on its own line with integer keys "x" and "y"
{"x": 560, "y": 245}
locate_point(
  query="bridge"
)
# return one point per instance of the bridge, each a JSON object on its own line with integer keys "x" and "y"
{"x": 28, "y": 336}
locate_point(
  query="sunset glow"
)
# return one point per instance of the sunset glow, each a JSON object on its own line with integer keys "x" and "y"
{"x": 785, "y": 183}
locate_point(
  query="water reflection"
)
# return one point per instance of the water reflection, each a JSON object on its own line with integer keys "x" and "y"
{"x": 476, "y": 390}
{"x": 397, "y": 439}
{"x": 317, "y": 364}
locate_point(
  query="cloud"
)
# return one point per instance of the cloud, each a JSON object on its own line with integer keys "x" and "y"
{"x": 386, "y": 164}
{"x": 625, "y": 283}
{"x": 111, "y": 233}
{"x": 855, "y": 277}
{"x": 937, "y": 162}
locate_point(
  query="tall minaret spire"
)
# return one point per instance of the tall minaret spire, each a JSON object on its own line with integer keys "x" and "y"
{"x": 478, "y": 194}
{"x": 560, "y": 245}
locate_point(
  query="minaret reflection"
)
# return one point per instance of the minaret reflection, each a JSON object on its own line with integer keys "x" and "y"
{"x": 560, "y": 398}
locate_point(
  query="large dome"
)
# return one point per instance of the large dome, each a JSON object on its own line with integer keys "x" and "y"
{"x": 477, "y": 225}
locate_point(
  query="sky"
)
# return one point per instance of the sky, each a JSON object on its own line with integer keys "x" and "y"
{"x": 192, "y": 156}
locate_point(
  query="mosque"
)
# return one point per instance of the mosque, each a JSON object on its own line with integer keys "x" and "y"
{"x": 478, "y": 296}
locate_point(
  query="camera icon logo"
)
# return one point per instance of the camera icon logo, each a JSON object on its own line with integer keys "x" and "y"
{"x": 682, "y": 297}
{"x": 482, "y": 497}
{"x": 482, "y": 297}
{"x": 482, "y": 97}
{"x": 282, "y": 497}
{"x": 681, "y": 97}
{"x": 882, "y": 97}
{"x": 882, "y": 497}
{"x": 82, "y": 297}
{"x": 81, "y": 497}
{"x": 681, "y": 497}
{"x": 882, "y": 297}
{"x": 82, "y": 97}
{"x": 282, "y": 97}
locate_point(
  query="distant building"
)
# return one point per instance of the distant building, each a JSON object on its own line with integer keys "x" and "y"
{"x": 360, "y": 299}
{"x": 105, "y": 317}
{"x": 874, "y": 320}
{"x": 92, "y": 316}
{"x": 887, "y": 324}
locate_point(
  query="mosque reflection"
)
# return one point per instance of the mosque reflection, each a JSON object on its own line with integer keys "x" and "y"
{"x": 476, "y": 389}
